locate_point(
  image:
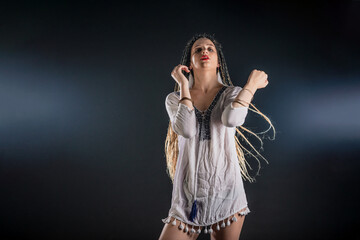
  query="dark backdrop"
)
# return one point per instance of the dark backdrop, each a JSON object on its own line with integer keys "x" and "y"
{"x": 83, "y": 120}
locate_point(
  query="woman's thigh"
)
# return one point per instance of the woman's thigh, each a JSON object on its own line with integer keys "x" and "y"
{"x": 171, "y": 232}
{"x": 231, "y": 232}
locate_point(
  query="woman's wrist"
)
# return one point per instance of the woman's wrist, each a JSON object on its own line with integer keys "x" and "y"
{"x": 245, "y": 96}
{"x": 250, "y": 86}
{"x": 184, "y": 84}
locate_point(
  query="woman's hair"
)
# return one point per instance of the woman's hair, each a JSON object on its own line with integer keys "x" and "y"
{"x": 171, "y": 142}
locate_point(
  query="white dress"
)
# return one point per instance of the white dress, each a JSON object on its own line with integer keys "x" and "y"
{"x": 207, "y": 167}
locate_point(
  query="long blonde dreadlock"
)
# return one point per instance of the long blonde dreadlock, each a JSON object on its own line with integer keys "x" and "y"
{"x": 171, "y": 142}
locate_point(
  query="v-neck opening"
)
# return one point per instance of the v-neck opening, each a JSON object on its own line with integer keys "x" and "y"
{"x": 211, "y": 101}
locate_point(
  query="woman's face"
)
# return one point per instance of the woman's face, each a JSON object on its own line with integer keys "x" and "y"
{"x": 203, "y": 55}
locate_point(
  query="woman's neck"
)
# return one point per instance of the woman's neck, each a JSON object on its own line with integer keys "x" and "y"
{"x": 205, "y": 81}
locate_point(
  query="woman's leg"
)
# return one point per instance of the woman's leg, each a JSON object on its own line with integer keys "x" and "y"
{"x": 171, "y": 232}
{"x": 231, "y": 232}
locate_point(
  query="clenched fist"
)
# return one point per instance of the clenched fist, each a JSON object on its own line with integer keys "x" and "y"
{"x": 258, "y": 79}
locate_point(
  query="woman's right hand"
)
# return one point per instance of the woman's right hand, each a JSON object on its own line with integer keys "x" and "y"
{"x": 178, "y": 76}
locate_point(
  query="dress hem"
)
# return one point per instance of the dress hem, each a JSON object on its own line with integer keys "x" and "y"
{"x": 244, "y": 212}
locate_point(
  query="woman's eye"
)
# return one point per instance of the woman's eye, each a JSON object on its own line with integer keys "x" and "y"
{"x": 199, "y": 49}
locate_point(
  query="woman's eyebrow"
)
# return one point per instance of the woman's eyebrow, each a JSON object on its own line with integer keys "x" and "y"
{"x": 205, "y": 44}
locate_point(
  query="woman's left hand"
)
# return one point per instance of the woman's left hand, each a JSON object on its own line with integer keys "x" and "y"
{"x": 258, "y": 79}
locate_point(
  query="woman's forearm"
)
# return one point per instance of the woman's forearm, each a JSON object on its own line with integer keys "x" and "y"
{"x": 184, "y": 92}
{"x": 245, "y": 96}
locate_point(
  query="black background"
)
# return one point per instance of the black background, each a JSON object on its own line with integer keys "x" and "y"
{"x": 83, "y": 121}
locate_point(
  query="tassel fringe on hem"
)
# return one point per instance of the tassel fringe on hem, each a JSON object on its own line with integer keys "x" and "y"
{"x": 208, "y": 228}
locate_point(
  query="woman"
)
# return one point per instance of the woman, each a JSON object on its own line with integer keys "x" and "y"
{"x": 202, "y": 156}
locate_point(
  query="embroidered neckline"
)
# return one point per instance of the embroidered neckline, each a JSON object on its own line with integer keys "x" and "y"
{"x": 215, "y": 97}
{"x": 204, "y": 117}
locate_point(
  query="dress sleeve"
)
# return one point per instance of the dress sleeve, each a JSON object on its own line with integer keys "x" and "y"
{"x": 183, "y": 120}
{"x": 231, "y": 116}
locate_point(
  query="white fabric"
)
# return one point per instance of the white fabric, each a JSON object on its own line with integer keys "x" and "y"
{"x": 207, "y": 170}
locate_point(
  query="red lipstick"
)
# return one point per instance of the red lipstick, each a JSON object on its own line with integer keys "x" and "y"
{"x": 205, "y": 57}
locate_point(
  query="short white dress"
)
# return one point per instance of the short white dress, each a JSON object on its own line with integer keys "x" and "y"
{"x": 207, "y": 187}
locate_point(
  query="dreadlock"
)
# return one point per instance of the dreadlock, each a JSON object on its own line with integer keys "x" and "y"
{"x": 171, "y": 142}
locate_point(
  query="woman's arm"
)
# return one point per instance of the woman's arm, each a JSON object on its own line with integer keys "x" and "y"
{"x": 245, "y": 96}
{"x": 235, "y": 112}
{"x": 182, "y": 115}
{"x": 184, "y": 92}
{"x": 233, "y": 115}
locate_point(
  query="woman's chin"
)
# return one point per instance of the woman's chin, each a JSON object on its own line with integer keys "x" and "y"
{"x": 205, "y": 67}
